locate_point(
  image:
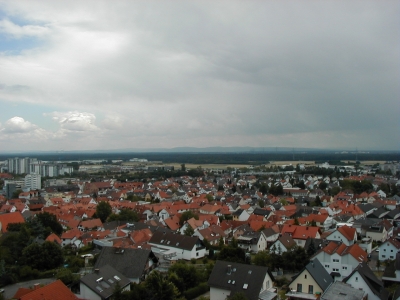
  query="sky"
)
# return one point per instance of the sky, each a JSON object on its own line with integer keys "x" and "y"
{"x": 106, "y": 75}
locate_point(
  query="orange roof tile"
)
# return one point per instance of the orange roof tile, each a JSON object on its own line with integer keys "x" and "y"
{"x": 55, "y": 291}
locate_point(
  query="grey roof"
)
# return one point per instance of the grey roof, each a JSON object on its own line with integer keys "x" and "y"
{"x": 318, "y": 272}
{"x": 175, "y": 240}
{"x": 393, "y": 214}
{"x": 366, "y": 207}
{"x": 342, "y": 291}
{"x": 370, "y": 279}
{"x": 261, "y": 212}
{"x": 103, "y": 281}
{"x": 379, "y": 213}
{"x": 130, "y": 262}
{"x": 244, "y": 278}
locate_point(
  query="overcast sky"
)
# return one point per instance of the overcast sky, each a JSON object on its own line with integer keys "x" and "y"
{"x": 82, "y": 75}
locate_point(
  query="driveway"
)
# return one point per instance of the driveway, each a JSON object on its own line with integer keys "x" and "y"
{"x": 10, "y": 290}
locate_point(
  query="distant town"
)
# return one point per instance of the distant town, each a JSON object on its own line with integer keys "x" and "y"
{"x": 141, "y": 228}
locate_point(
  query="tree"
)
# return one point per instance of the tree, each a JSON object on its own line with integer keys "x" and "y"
{"x": 263, "y": 189}
{"x": 103, "y": 210}
{"x": 186, "y": 216}
{"x": 183, "y": 168}
{"x": 311, "y": 249}
{"x": 323, "y": 185}
{"x": 125, "y": 214}
{"x": 238, "y": 296}
{"x": 50, "y": 221}
{"x": 16, "y": 193}
{"x": 318, "y": 201}
{"x": 43, "y": 257}
{"x": 189, "y": 231}
{"x": 209, "y": 198}
{"x": 160, "y": 288}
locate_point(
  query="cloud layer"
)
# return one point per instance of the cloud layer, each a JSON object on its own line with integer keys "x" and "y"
{"x": 167, "y": 74}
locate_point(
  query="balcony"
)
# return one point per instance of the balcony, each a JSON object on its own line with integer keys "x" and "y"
{"x": 293, "y": 295}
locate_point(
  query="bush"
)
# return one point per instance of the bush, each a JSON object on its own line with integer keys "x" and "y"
{"x": 193, "y": 261}
{"x": 196, "y": 291}
{"x": 47, "y": 274}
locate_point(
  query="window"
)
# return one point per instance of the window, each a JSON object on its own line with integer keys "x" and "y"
{"x": 391, "y": 250}
{"x": 356, "y": 279}
{"x": 335, "y": 260}
{"x": 299, "y": 287}
{"x": 384, "y": 250}
{"x": 383, "y": 256}
{"x": 197, "y": 253}
{"x": 391, "y": 257}
{"x": 311, "y": 289}
{"x": 326, "y": 266}
{"x": 335, "y": 270}
{"x": 305, "y": 276}
{"x": 344, "y": 268}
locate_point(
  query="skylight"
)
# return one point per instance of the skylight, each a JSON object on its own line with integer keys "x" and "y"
{"x": 245, "y": 286}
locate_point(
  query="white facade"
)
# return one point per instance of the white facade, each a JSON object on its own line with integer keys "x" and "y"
{"x": 343, "y": 265}
{"x": 339, "y": 237}
{"x": 33, "y": 182}
{"x": 387, "y": 251}
{"x": 357, "y": 282}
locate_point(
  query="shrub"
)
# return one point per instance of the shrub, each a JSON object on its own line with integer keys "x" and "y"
{"x": 196, "y": 291}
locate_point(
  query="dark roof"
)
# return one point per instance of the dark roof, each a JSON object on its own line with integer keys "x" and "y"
{"x": 393, "y": 214}
{"x": 370, "y": 279}
{"x": 318, "y": 272}
{"x": 244, "y": 278}
{"x": 130, "y": 262}
{"x": 366, "y": 207}
{"x": 261, "y": 212}
{"x": 174, "y": 240}
{"x": 104, "y": 280}
{"x": 342, "y": 291}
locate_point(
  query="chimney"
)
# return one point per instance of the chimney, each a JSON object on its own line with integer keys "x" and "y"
{"x": 36, "y": 286}
{"x": 97, "y": 270}
{"x": 229, "y": 270}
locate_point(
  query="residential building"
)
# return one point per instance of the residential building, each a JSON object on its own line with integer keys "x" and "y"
{"x": 344, "y": 234}
{"x": 177, "y": 246}
{"x": 134, "y": 264}
{"x": 364, "y": 279}
{"x": 388, "y": 249}
{"x": 339, "y": 260}
{"x": 342, "y": 291}
{"x": 101, "y": 284}
{"x": 229, "y": 278}
{"x": 310, "y": 282}
{"x": 33, "y": 182}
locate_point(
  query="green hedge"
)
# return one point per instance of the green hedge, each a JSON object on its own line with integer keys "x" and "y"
{"x": 196, "y": 291}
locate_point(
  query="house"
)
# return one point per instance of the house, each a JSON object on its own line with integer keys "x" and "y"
{"x": 301, "y": 233}
{"x": 55, "y": 291}
{"x": 229, "y": 278}
{"x": 310, "y": 282}
{"x": 212, "y": 234}
{"x": 339, "y": 260}
{"x": 388, "y": 249}
{"x": 283, "y": 244}
{"x": 364, "y": 279}
{"x": 134, "y": 264}
{"x": 240, "y": 215}
{"x": 177, "y": 246}
{"x": 342, "y": 291}
{"x": 345, "y": 234}
{"x": 392, "y": 272}
{"x": 376, "y": 232}
{"x": 252, "y": 241}
{"x": 5, "y": 219}
{"x": 101, "y": 284}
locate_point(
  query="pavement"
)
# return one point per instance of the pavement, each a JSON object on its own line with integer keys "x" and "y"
{"x": 10, "y": 290}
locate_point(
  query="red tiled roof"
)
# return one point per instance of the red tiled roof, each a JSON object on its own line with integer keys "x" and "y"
{"x": 6, "y": 219}
{"x": 54, "y": 291}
